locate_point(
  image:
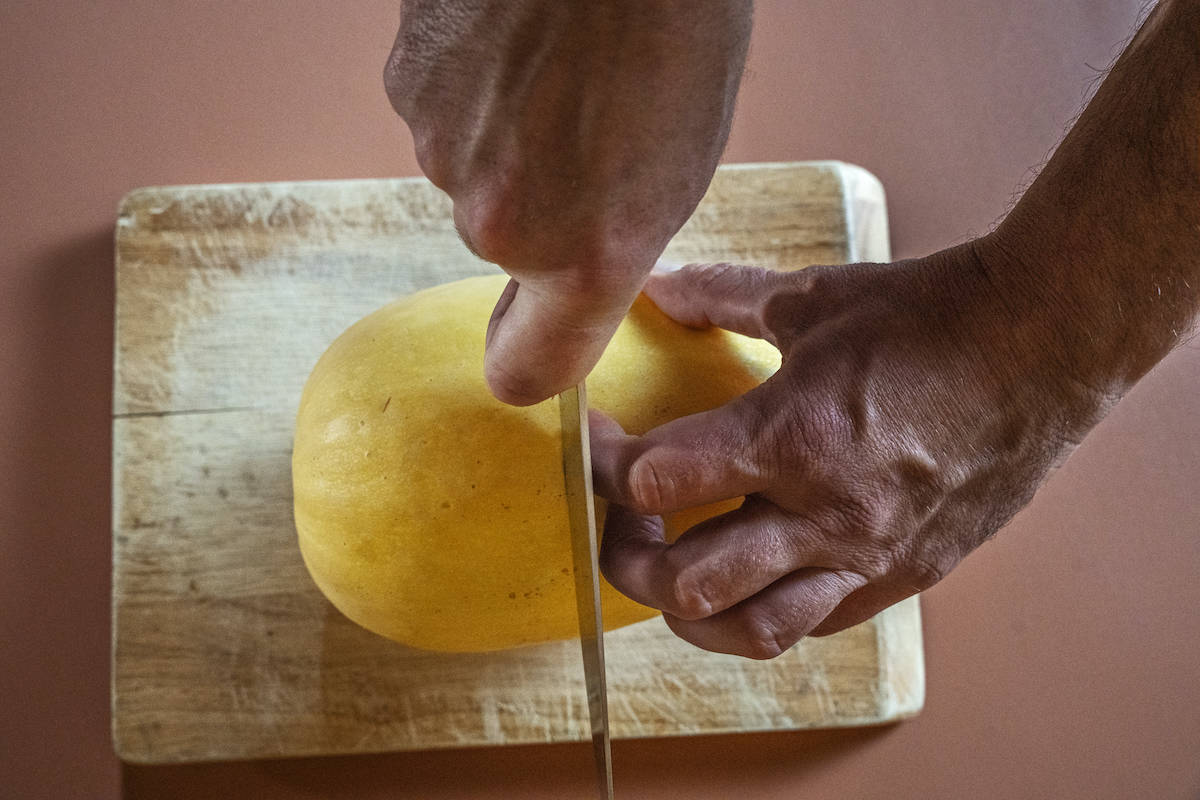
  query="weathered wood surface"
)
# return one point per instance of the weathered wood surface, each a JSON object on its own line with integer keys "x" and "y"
{"x": 223, "y": 647}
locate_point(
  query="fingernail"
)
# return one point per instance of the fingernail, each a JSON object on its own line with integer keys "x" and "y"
{"x": 662, "y": 267}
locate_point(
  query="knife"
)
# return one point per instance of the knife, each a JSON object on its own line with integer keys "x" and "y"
{"x": 581, "y": 509}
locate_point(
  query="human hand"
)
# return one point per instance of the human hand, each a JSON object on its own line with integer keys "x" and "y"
{"x": 574, "y": 139}
{"x": 917, "y": 408}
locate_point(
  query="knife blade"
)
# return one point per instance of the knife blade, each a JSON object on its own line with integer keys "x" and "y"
{"x": 581, "y": 506}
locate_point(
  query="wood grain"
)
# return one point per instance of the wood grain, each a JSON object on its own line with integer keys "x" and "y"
{"x": 222, "y": 645}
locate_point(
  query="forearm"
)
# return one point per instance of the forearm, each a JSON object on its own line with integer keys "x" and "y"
{"x": 1106, "y": 242}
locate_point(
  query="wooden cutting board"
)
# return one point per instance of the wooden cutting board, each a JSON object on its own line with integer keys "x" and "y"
{"x": 222, "y": 645}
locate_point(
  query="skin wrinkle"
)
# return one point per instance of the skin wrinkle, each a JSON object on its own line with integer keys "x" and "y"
{"x": 706, "y": 571}
{"x": 920, "y": 403}
{"x": 758, "y": 451}
{"x": 736, "y": 314}
{"x": 648, "y": 491}
{"x": 687, "y": 586}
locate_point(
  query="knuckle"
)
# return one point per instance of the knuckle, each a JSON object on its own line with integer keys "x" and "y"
{"x": 725, "y": 275}
{"x": 405, "y": 78}
{"x": 650, "y": 488}
{"x": 824, "y": 284}
{"x": 874, "y": 561}
{"x": 404, "y": 82}
{"x": 429, "y": 159}
{"x": 926, "y": 569}
{"x": 687, "y": 601}
{"x": 726, "y": 280}
{"x": 688, "y": 594}
{"x": 712, "y": 277}
{"x": 863, "y": 530}
{"x": 395, "y": 84}
{"x": 409, "y": 61}
{"x": 863, "y": 514}
{"x": 763, "y": 639}
{"x": 811, "y": 430}
{"x": 485, "y": 222}
{"x": 804, "y": 295}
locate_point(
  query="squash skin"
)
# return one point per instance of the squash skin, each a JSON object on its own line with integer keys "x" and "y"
{"x": 431, "y": 513}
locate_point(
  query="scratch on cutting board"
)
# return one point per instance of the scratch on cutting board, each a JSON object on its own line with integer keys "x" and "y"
{"x": 750, "y": 697}
{"x": 572, "y": 718}
{"x": 685, "y": 691}
{"x": 761, "y": 688}
{"x": 626, "y": 714}
{"x": 668, "y": 712}
{"x": 490, "y": 715}
{"x": 364, "y": 739}
{"x": 819, "y": 680}
{"x": 410, "y": 723}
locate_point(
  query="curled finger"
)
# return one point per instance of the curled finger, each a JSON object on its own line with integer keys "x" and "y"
{"x": 715, "y": 455}
{"x": 713, "y": 566}
{"x": 769, "y": 623}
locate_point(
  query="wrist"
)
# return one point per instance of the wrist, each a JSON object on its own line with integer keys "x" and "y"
{"x": 1105, "y": 242}
{"x": 1055, "y": 356}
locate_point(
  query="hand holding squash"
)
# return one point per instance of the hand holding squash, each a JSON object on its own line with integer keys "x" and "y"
{"x": 907, "y": 423}
{"x": 920, "y": 403}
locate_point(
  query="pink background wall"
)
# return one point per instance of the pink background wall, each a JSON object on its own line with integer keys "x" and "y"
{"x": 1063, "y": 659}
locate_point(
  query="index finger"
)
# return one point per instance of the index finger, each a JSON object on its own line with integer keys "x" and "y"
{"x": 702, "y": 458}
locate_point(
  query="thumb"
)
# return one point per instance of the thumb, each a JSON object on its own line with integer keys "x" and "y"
{"x": 538, "y": 344}
{"x": 722, "y": 295}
